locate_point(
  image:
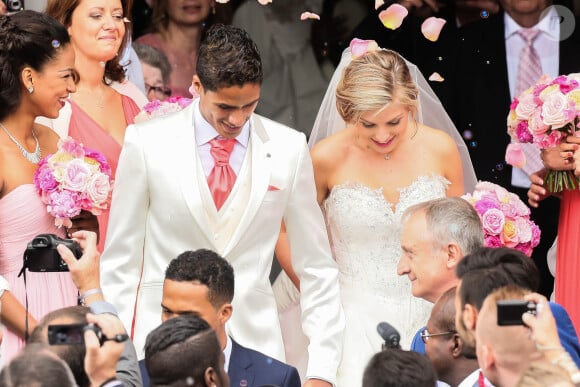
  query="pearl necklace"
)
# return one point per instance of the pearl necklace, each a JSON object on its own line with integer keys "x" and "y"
{"x": 33, "y": 157}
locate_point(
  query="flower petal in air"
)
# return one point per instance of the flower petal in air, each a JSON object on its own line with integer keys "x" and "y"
{"x": 393, "y": 16}
{"x": 514, "y": 155}
{"x": 222, "y": 1}
{"x": 379, "y": 3}
{"x": 309, "y": 15}
{"x": 431, "y": 28}
{"x": 359, "y": 47}
{"x": 436, "y": 77}
{"x": 264, "y": 2}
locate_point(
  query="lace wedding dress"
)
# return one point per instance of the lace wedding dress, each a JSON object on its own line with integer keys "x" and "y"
{"x": 364, "y": 232}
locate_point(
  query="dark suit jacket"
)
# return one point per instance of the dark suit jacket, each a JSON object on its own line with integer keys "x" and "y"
{"x": 252, "y": 366}
{"x": 481, "y": 101}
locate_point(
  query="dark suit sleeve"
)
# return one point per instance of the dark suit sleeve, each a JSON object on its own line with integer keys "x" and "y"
{"x": 292, "y": 379}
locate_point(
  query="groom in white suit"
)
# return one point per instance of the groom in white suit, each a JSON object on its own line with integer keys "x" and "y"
{"x": 162, "y": 205}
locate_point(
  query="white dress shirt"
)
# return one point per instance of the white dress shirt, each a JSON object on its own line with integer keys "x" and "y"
{"x": 227, "y": 352}
{"x": 471, "y": 379}
{"x": 204, "y": 133}
{"x": 548, "y": 48}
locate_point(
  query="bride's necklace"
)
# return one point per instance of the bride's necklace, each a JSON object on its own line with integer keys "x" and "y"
{"x": 388, "y": 155}
{"x": 33, "y": 157}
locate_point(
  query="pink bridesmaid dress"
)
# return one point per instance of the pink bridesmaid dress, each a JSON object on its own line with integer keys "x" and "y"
{"x": 84, "y": 129}
{"x": 568, "y": 258}
{"x": 22, "y": 217}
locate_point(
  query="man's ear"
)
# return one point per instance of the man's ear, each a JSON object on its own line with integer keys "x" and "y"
{"x": 457, "y": 349}
{"x": 225, "y": 313}
{"x": 469, "y": 317}
{"x": 196, "y": 83}
{"x": 454, "y": 255}
{"x": 210, "y": 377}
{"x": 487, "y": 360}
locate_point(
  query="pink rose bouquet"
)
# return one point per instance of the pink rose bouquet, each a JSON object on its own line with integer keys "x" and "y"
{"x": 158, "y": 108}
{"x": 505, "y": 218}
{"x": 545, "y": 114}
{"x": 73, "y": 179}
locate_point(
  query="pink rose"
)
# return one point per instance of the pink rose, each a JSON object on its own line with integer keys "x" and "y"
{"x": 102, "y": 160}
{"x": 537, "y": 125}
{"x": 493, "y": 221}
{"x": 72, "y": 147}
{"x": 98, "y": 188}
{"x": 556, "y": 110}
{"x": 526, "y": 106}
{"x": 509, "y": 235}
{"x": 524, "y": 230}
{"x": 536, "y": 234}
{"x": 525, "y": 248}
{"x": 515, "y": 156}
{"x": 523, "y": 133}
{"x": 492, "y": 241}
{"x": 76, "y": 175}
{"x": 566, "y": 84}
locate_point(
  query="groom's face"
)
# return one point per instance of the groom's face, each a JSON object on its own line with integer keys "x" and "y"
{"x": 228, "y": 108}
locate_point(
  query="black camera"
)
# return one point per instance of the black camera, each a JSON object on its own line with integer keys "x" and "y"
{"x": 13, "y": 6}
{"x": 70, "y": 334}
{"x": 509, "y": 312}
{"x": 41, "y": 254}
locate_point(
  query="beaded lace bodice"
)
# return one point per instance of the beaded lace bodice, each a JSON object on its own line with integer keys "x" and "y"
{"x": 364, "y": 229}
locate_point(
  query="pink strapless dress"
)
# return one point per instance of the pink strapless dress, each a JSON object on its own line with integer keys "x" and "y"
{"x": 22, "y": 217}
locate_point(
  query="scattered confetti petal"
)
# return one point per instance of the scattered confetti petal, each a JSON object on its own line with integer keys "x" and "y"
{"x": 309, "y": 15}
{"x": 393, "y": 16}
{"x": 264, "y": 2}
{"x": 378, "y": 3}
{"x": 431, "y": 28}
{"x": 436, "y": 77}
{"x": 222, "y": 1}
{"x": 359, "y": 47}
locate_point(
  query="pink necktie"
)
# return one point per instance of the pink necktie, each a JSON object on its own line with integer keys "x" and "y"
{"x": 222, "y": 177}
{"x": 529, "y": 71}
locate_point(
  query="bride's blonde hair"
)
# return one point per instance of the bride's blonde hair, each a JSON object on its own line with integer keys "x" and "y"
{"x": 372, "y": 82}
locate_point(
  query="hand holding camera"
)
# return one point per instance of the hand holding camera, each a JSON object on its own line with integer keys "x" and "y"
{"x": 542, "y": 325}
{"x": 84, "y": 269}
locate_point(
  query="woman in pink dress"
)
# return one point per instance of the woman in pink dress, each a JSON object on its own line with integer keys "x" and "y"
{"x": 37, "y": 62}
{"x": 177, "y": 28}
{"x": 104, "y": 104}
{"x": 566, "y": 285}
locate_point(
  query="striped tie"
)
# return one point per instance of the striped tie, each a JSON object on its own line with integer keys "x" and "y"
{"x": 529, "y": 70}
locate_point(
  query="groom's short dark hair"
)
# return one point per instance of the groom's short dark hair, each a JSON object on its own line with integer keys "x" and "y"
{"x": 228, "y": 57}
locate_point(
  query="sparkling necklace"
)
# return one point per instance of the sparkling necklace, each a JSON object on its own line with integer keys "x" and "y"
{"x": 33, "y": 157}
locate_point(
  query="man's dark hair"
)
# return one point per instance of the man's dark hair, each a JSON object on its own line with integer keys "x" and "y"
{"x": 73, "y": 355}
{"x": 228, "y": 57}
{"x": 181, "y": 348}
{"x": 206, "y": 268}
{"x": 488, "y": 269}
{"x": 395, "y": 367}
{"x": 36, "y": 366}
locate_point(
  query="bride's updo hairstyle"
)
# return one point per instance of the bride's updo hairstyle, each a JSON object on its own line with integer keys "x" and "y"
{"x": 29, "y": 39}
{"x": 372, "y": 82}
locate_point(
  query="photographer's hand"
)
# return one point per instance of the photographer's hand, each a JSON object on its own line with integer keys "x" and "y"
{"x": 542, "y": 325}
{"x": 85, "y": 271}
{"x": 101, "y": 361}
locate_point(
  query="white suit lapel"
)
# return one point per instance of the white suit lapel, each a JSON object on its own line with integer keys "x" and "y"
{"x": 260, "y": 177}
{"x": 189, "y": 173}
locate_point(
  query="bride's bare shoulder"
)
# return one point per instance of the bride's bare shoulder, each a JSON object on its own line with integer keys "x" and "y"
{"x": 436, "y": 139}
{"x": 332, "y": 148}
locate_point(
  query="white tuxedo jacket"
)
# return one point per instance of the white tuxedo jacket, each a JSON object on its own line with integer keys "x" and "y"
{"x": 159, "y": 211}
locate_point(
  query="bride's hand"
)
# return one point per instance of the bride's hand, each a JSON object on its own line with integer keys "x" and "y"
{"x": 84, "y": 221}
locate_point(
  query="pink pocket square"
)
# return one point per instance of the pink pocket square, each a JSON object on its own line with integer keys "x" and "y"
{"x": 273, "y": 188}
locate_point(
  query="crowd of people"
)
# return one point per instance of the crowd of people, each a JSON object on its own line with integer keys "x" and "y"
{"x": 350, "y": 177}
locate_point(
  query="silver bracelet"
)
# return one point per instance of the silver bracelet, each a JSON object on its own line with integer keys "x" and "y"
{"x": 88, "y": 293}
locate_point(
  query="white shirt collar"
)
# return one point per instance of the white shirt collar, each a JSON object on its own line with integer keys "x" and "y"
{"x": 227, "y": 352}
{"x": 549, "y": 25}
{"x": 470, "y": 380}
{"x": 204, "y": 132}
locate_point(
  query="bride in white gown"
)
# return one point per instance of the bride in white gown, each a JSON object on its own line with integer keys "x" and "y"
{"x": 373, "y": 162}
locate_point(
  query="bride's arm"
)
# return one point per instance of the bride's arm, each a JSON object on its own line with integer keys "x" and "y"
{"x": 282, "y": 251}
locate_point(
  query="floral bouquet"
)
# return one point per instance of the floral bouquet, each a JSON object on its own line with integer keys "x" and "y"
{"x": 158, "y": 108}
{"x": 505, "y": 218}
{"x": 545, "y": 114}
{"x": 73, "y": 179}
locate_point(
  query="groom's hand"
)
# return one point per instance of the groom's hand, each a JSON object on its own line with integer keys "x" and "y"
{"x": 317, "y": 383}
